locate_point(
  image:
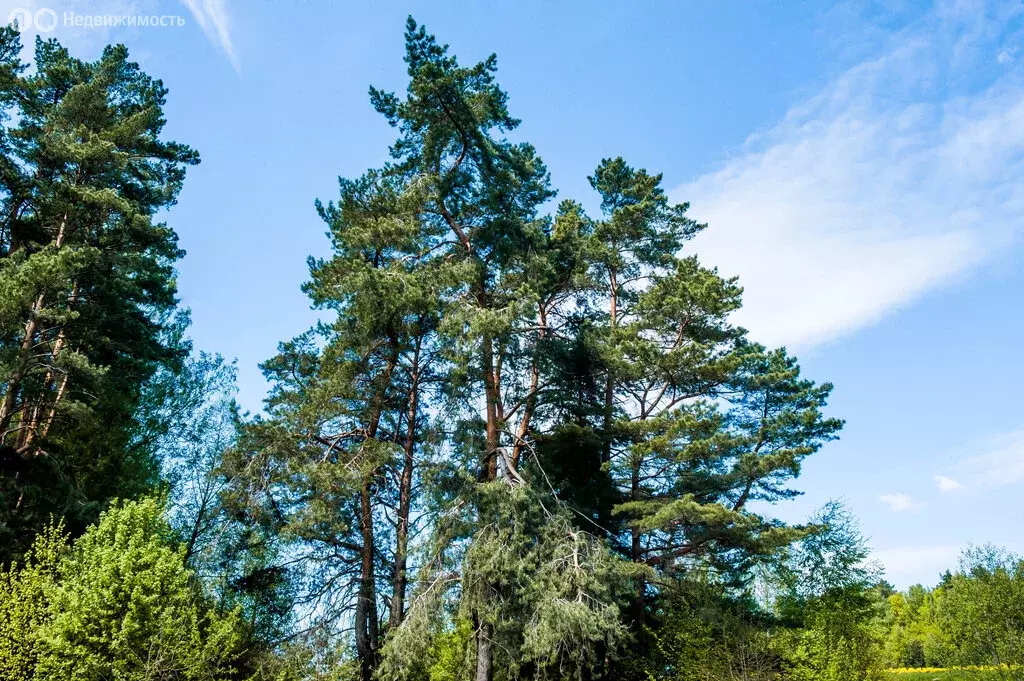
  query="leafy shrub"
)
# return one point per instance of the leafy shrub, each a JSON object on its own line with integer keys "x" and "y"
{"x": 119, "y": 604}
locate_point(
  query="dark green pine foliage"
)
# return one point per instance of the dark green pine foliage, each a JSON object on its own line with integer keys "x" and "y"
{"x": 696, "y": 420}
{"x": 331, "y": 466}
{"x": 87, "y": 290}
{"x": 513, "y": 277}
{"x": 481, "y": 193}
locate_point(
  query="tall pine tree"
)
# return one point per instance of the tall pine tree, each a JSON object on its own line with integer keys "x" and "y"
{"x": 87, "y": 285}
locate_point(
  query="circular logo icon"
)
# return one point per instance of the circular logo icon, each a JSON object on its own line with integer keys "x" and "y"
{"x": 45, "y": 19}
{"x": 20, "y": 17}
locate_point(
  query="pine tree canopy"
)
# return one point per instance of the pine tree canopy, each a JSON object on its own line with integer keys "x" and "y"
{"x": 533, "y": 418}
{"x": 88, "y": 308}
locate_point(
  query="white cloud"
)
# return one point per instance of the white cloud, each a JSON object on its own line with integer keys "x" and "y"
{"x": 1002, "y": 464}
{"x": 212, "y": 16}
{"x": 906, "y": 565}
{"x": 883, "y": 187}
{"x": 899, "y": 503}
{"x": 947, "y": 484}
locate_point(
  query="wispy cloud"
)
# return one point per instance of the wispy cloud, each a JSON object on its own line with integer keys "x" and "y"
{"x": 906, "y": 565}
{"x": 213, "y": 17}
{"x": 899, "y": 503}
{"x": 947, "y": 485}
{"x": 899, "y": 177}
{"x": 1001, "y": 464}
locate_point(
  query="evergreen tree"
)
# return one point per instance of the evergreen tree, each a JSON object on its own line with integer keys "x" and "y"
{"x": 336, "y": 454}
{"x": 87, "y": 292}
{"x": 513, "y": 275}
{"x": 582, "y": 418}
{"x": 697, "y": 420}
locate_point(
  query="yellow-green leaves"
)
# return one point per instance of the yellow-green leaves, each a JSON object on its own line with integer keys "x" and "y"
{"x": 119, "y": 603}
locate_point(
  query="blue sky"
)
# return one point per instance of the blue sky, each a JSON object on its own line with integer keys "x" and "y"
{"x": 860, "y": 165}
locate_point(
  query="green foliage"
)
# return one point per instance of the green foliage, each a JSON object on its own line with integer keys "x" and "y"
{"x": 973, "y": 618}
{"x": 700, "y": 631}
{"x": 835, "y": 643}
{"x": 520, "y": 445}
{"x": 306, "y": 658}
{"x": 448, "y": 653}
{"x": 549, "y": 590}
{"x": 982, "y": 614}
{"x": 828, "y": 599}
{"x": 24, "y": 604}
{"x": 119, "y": 603}
{"x": 427, "y": 647}
{"x": 559, "y": 401}
{"x": 913, "y": 636}
{"x": 87, "y": 283}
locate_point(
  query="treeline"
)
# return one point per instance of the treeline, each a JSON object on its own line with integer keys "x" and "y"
{"x": 523, "y": 443}
{"x": 973, "y": 617}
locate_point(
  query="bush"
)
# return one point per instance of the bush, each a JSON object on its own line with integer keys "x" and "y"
{"x": 24, "y": 596}
{"x": 119, "y": 604}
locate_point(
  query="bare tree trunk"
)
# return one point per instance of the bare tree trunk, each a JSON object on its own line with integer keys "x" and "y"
{"x": 609, "y": 387}
{"x": 636, "y": 550}
{"x": 489, "y": 468}
{"x": 488, "y": 473}
{"x": 366, "y": 605}
{"x": 400, "y": 579}
{"x": 483, "y": 653}
{"x": 530, "y": 403}
{"x": 367, "y": 637}
{"x": 14, "y": 381}
{"x": 197, "y": 525}
{"x": 634, "y": 495}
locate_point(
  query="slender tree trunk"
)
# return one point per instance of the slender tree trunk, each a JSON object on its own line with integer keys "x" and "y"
{"x": 52, "y": 416}
{"x": 366, "y": 606}
{"x": 25, "y": 351}
{"x": 8, "y": 241}
{"x": 489, "y": 468}
{"x": 14, "y": 381}
{"x": 405, "y": 495}
{"x": 488, "y": 473}
{"x": 34, "y": 429}
{"x": 635, "y": 549}
{"x": 609, "y": 387}
{"x": 193, "y": 535}
{"x": 367, "y": 636}
{"x": 636, "y": 552}
{"x": 483, "y": 653}
{"x": 530, "y": 404}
